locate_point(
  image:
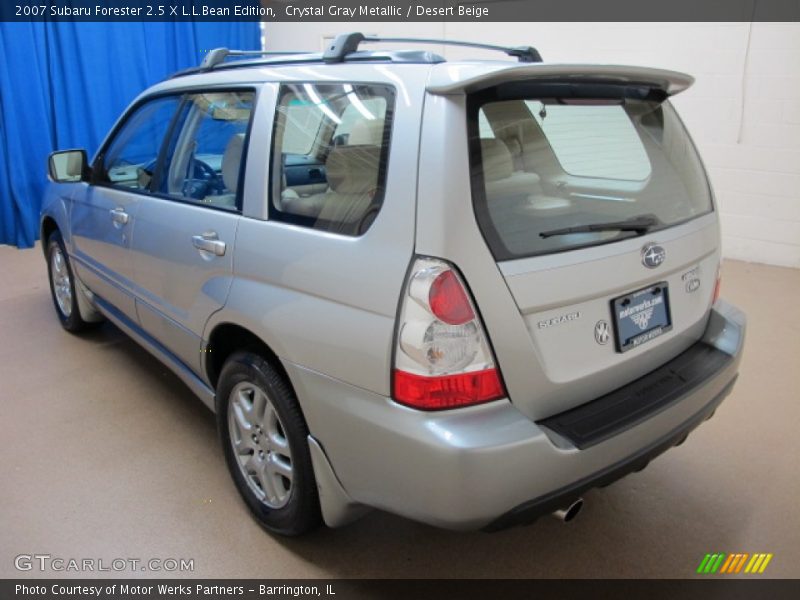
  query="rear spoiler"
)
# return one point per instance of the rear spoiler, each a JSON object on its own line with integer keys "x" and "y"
{"x": 465, "y": 79}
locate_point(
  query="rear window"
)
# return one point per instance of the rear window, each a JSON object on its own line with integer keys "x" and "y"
{"x": 593, "y": 141}
{"x": 544, "y": 166}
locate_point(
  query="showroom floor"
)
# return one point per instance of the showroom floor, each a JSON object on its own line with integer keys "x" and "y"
{"x": 105, "y": 454}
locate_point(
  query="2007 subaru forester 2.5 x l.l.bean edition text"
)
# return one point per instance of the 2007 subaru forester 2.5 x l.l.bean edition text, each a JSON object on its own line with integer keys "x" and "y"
{"x": 461, "y": 292}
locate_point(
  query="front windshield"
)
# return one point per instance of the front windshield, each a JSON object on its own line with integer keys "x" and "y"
{"x": 543, "y": 165}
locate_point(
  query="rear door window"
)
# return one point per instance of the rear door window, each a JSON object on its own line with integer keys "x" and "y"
{"x": 544, "y": 168}
{"x": 204, "y": 158}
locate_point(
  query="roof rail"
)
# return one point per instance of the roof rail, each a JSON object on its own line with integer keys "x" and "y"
{"x": 217, "y": 56}
{"x": 345, "y": 47}
{"x": 347, "y": 43}
{"x": 217, "y": 61}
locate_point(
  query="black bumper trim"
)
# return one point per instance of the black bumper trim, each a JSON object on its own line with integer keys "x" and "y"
{"x": 531, "y": 510}
{"x": 610, "y": 415}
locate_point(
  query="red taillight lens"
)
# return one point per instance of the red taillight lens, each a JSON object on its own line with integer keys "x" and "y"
{"x": 447, "y": 391}
{"x": 448, "y": 301}
{"x": 717, "y": 289}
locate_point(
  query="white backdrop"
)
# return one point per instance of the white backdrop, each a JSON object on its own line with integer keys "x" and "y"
{"x": 743, "y": 111}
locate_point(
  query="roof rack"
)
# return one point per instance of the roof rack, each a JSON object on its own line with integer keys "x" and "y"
{"x": 345, "y": 48}
{"x": 347, "y": 43}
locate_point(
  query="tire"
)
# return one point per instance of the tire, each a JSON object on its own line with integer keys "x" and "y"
{"x": 265, "y": 440}
{"x": 62, "y": 285}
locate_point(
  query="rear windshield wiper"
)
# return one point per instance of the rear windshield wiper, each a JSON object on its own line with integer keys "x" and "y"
{"x": 640, "y": 225}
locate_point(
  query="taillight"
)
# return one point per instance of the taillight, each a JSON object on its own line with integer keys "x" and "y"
{"x": 442, "y": 359}
{"x": 717, "y": 287}
{"x": 448, "y": 299}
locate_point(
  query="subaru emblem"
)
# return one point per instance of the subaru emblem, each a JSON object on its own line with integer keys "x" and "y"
{"x": 653, "y": 255}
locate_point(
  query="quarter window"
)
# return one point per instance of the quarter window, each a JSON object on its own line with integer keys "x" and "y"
{"x": 330, "y": 151}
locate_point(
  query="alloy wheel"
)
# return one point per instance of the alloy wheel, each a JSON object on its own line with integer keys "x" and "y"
{"x": 260, "y": 445}
{"x": 62, "y": 283}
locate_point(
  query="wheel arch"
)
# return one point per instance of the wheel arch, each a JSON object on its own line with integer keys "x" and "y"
{"x": 46, "y": 228}
{"x": 226, "y": 338}
{"x": 54, "y": 215}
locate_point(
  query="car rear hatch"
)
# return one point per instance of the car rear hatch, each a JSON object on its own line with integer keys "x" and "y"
{"x": 595, "y": 205}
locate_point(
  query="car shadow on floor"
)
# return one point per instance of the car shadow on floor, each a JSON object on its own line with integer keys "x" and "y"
{"x": 648, "y": 523}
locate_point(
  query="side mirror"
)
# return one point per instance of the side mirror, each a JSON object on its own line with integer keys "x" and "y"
{"x": 68, "y": 166}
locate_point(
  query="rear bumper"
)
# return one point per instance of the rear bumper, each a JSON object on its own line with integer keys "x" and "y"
{"x": 490, "y": 466}
{"x": 531, "y": 510}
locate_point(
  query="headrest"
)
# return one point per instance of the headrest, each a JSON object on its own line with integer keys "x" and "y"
{"x": 353, "y": 169}
{"x": 497, "y": 161}
{"x": 231, "y": 161}
{"x": 367, "y": 132}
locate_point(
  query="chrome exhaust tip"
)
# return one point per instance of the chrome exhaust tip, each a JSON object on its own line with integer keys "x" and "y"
{"x": 569, "y": 512}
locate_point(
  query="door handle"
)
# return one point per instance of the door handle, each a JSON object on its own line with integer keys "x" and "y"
{"x": 209, "y": 242}
{"x": 118, "y": 215}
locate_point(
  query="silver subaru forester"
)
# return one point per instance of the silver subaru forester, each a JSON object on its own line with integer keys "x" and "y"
{"x": 461, "y": 292}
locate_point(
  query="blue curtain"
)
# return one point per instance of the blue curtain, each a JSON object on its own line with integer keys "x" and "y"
{"x": 63, "y": 85}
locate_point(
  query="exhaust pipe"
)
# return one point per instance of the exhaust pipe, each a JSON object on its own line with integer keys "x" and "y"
{"x": 569, "y": 512}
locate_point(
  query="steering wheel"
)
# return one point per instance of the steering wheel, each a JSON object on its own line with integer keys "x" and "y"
{"x": 202, "y": 170}
{"x": 204, "y": 181}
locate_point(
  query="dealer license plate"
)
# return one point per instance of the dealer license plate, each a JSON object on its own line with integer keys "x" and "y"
{"x": 641, "y": 316}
